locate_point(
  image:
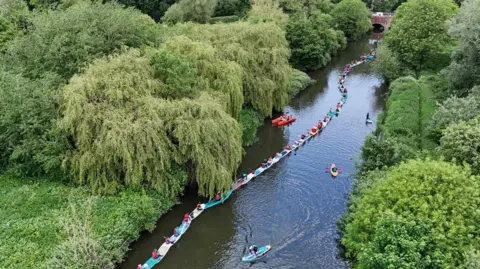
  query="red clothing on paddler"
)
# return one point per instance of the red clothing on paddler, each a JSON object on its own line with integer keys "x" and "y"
{"x": 314, "y": 130}
{"x": 287, "y": 147}
{"x": 345, "y": 90}
{"x": 319, "y": 125}
{"x": 270, "y": 160}
{"x": 303, "y": 136}
{"x": 217, "y": 196}
{"x": 139, "y": 266}
{"x": 186, "y": 217}
{"x": 325, "y": 118}
{"x": 277, "y": 154}
{"x": 155, "y": 254}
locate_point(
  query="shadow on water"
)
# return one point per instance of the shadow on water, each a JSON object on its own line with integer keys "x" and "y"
{"x": 294, "y": 205}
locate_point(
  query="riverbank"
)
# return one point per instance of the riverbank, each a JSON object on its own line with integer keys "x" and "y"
{"x": 36, "y": 215}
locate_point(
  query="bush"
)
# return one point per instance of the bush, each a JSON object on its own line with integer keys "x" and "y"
{"x": 422, "y": 214}
{"x": 30, "y": 229}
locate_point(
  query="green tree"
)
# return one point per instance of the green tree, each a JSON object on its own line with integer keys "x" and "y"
{"x": 260, "y": 49}
{"x": 418, "y": 36}
{"x": 455, "y": 109}
{"x": 232, "y": 7}
{"x": 382, "y": 5}
{"x": 398, "y": 243}
{"x": 155, "y": 8}
{"x": 64, "y": 41}
{"x": 383, "y": 153}
{"x": 28, "y": 108}
{"x": 388, "y": 65}
{"x": 461, "y": 142}
{"x": 436, "y": 218}
{"x": 124, "y": 133}
{"x": 312, "y": 40}
{"x": 352, "y": 17}
{"x": 190, "y": 10}
{"x": 464, "y": 71}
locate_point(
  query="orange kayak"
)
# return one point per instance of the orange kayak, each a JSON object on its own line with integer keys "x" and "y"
{"x": 285, "y": 122}
{"x": 277, "y": 120}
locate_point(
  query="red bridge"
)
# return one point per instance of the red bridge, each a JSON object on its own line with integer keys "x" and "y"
{"x": 381, "y": 21}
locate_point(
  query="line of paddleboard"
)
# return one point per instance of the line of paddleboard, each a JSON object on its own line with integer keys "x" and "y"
{"x": 157, "y": 256}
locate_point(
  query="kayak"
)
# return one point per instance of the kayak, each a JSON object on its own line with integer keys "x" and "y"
{"x": 313, "y": 133}
{"x": 285, "y": 122}
{"x": 180, "y": 231}
{"x": 152, "y": 262}
{"x": 242, "y": 181}
{"x": 275, "y": 121}
{"x": 261, "y": 252}
{"x": 331, "y": 114}
{"x": 345, "y": 95}
{"x": 213, "y": 203}
{"x": 334, "y": 173}
{"x": 369, "y": 121}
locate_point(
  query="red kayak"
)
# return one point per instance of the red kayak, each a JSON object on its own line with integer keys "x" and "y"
{"x": 277, "y": 120}
{"x": 285, "y": 122}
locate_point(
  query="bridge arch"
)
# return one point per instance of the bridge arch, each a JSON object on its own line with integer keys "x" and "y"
{"x": 381, "y": 21}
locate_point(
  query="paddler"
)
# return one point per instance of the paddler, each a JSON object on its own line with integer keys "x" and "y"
{"x": 253, "y": 250}
{"x": 217, "y": 196}
{"x": 325, "y": 119}
{"x": 199, "y": 207}
{"x": 186, "y": 217}
{"x": 302, "y": 136}
{"x": 155, "y": 254}
{"x": 167, "y": 240}
{"x": 345, "y": 90}
{"x": 139, "y": 266}
{"x": 368, "y": 115}
{"x": 287, "y": 147}
{"x": 314, "y": 130}
{"x": 296, "y": 143}
{"x": 319, "y": 125}
{"x": 270, "y": 160}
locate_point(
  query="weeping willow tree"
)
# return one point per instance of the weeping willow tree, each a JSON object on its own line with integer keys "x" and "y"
{"x": 123, "y": 132}
{"x": 206, "y": 138}
{"x": 214, "y": 74}
{"x": 260, "y": 49}
{"x": 268, "y": 10}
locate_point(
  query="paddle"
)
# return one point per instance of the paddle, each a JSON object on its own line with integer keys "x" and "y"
{"x": 327, "y": 169}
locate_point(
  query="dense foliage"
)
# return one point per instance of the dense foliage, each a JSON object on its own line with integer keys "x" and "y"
{"x": 352, "y": 17}
{"x": 460, "y": 142}
{"x": 190, "y": 10}
{"x": 421, "y": 214}
{"x": 34, "y": 213}
{"x": 262, "y": 52}
{"x": 418, "y": 36}
{"x": 313, "y": 40}
{"x": 464, "y": 73}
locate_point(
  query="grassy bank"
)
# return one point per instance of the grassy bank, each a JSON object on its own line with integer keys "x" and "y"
{"x": 35, "y": 215}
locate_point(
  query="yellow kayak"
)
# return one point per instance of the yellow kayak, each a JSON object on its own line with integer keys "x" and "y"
{"x": 334, "y": 173}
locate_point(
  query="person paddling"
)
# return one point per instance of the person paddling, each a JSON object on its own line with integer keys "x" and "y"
{"x": 155, "y": 254}
{"x": 186, "y": 217}
{"x": 139, "y": 266}
{"x": 368, "y": 115}
{"x": 217, "y": 196}
{"x": 302, "y": 136}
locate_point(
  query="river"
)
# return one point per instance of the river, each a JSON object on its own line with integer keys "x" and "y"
{"x": 294, "y": 205}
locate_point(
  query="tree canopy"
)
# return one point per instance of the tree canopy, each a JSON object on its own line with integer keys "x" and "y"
{"x": 352, "y": 17}
{"x": 64, "y": 41}
{"x": 418, "y": 36}
{"x": 461, "y": 142}
{"x": 124, "y": 133}
{"x": 313, "y": 40}
{"x": 260, "y": 49}
{"x": 190, "y": 10}
{"x": 464, "y": 70}
{"x": 421, "y": 214}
